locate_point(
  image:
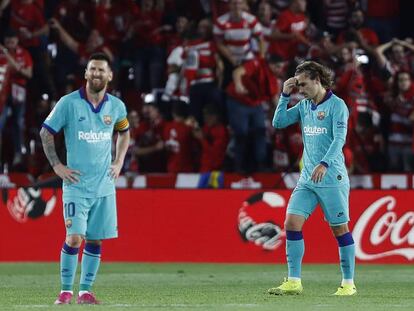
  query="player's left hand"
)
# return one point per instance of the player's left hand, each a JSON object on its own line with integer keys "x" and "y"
{"x": 318, "y": 173}
{"x": 115, "y": 169}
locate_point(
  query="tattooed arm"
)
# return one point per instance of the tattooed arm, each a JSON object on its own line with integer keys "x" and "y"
{"x": 48, "y": 142}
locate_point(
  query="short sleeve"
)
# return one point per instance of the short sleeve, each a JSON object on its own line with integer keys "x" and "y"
{"x": 57, "y": 118}
{"x": 122, "y": 123}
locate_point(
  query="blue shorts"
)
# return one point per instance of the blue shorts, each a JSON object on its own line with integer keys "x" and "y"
{"x": 333, "y": 200}
{"x": 93, "y": 218}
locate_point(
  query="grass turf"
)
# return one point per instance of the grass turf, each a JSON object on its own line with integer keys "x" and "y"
{"x": 134, "y": 286}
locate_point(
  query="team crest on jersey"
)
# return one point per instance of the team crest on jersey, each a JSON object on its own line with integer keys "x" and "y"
{"x": 321, "y": 115}
{"x": 107, "y": 119}
{"x": 68, "y": 223}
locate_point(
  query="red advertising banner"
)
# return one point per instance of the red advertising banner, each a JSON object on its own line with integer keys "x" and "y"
{"x": 244, "y": 226}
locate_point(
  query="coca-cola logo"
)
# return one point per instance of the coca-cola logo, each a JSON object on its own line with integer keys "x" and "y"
{"x": 388, "y": 233}
{"x": 256, "y": 220}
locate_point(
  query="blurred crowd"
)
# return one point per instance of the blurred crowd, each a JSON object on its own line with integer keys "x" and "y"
{"x": 201, "y": 78}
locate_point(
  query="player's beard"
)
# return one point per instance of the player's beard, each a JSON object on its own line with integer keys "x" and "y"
{"x": 97, "y": 86}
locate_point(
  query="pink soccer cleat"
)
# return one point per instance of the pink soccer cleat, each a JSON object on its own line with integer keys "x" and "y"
{"x": 64, "y": 298}
{"x": 87, "y": 299}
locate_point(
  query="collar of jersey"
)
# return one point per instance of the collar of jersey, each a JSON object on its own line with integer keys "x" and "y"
{"x": 327, "y": 96}
{"x": 82, "y": 93}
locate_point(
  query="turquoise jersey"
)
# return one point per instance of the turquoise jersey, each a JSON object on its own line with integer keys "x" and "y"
{"x": 88, "y": 138}
{"x": 324, "y": 128}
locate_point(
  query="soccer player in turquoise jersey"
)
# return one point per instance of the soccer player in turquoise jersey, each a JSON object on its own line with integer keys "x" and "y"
{"x": 323, "y": 118}
{"x": 88, "y": 118}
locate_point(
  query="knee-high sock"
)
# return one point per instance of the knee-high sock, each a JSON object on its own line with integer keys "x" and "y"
{"x": 295, "y": 248}
{"x": 68, "y": 265}
{"x": 347, "y": 255}
{"x": 91, "y": 259}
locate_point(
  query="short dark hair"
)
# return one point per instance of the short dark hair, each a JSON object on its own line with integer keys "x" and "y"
{"x": 100, "y": 56}
{"x": 314, "y": 70}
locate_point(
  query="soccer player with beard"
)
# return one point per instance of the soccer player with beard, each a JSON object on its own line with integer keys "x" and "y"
{"x": 88, "y": 118}
{"x": 323, "y": 118}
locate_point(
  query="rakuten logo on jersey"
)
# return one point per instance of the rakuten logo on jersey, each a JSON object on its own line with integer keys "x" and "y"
{"x": 381, "y": 232}
{"x": 94, "y": 137}
{"x": 314, "y": 130}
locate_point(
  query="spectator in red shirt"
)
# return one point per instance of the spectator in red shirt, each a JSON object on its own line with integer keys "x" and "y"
{"x": 323, "y": 49}
{"x": 254, "y": 83}
{"x": 149, "y": 145}
{"x": 356, "y": 29}
{"x": 233, "y": 32}
{"x": 383, "y": 16}
{"x": 176, "y": 86}
{"x": 149, "y": 52}
{"x": 335, "y": 15}
{"x": 278, "y": 6}
{"x": 367, "y": 146}
{"x": 400, "y": 133}
{"x": 145, "y": 153}
{"x": 77, "y": 18}
{"x": 287, "y": 143}
{"x": 287, "y": 149}
{"x": 21, "y": 65}
{"x": 288, "y": 35}
{"x": 177, "y": 36}
{"x": 399, "y": 58}
{"x": 214, "y": 138}
{"x": 27, "y": 18}
{"x": 95, "y": 43}
{"x": 351, "y": 85}
{"x": 203, "y": 69}
{"x": 114, "y": 20}
{"x": 265, "y": 17}
{"x": 178, "y": 141}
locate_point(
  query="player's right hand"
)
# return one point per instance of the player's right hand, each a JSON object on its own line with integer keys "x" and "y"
{"x": 289, "y": 85}
{"x": 68, "y": 175}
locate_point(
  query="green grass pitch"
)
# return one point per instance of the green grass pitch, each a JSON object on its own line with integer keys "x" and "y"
{"x": 135, "y": 286}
